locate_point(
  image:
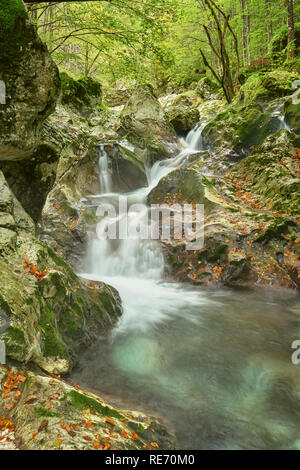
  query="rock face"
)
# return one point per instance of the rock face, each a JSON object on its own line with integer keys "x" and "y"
{"x": 145, "y": 125}
{"x": 292, "y": 115}
{"x": 49, "y": 414}
{"x": 266, "y": 86}
{"x": 82, "y": 95}
{"x": 53, "y": 314}
{"x": 31, "y": 79}
{"x": 251, "y": 227}
{"x": 182, "y": 112}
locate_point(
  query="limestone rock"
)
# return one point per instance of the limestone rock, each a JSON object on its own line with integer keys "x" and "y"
{"x": 32, "y": 83}
{"x": 145, "y": 125}
{"x": 50, "y": 414}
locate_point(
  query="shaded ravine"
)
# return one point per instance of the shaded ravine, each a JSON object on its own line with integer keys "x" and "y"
{"x": 215, "y": 364}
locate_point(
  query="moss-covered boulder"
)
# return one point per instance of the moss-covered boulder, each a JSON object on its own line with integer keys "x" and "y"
{"x": 145, "y": 125}
{"x": 240, "y": 128}
{"x": 265, "y": 86}
{"x": 272, "y": 174}
{"x": 82, "y": 95}
{"x": 182, "y": 112}
{"x": 50, "y": 414}
{"x": 292, "y": 115}
{"x": 31, "y": 79}
{"x": 52, "y": 313}
{"x": 206, "y": 88}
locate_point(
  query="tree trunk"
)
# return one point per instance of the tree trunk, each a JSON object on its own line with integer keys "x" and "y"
{"x": 291, "y": 29}
{"x": 269, "y": 21}
{"x": 245, "y": 32}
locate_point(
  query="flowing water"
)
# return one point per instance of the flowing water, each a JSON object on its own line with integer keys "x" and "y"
{"x": 214, "y": 364}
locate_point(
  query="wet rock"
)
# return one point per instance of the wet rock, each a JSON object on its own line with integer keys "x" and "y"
{"x": 144, "y": 125}
{"x": 50, "y": 414}
{"x": 182, "y": 112}
{"x": 292, "y": 115}
{"x": 32, "y": 84}
{"x": 52, "y": 313}
{"x": 81, "y": 95}
{"x": 127, "y": 165}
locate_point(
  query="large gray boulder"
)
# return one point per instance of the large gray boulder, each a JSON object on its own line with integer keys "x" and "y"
{"x": 31, "y": 79}
{"x": 145, "y": 125}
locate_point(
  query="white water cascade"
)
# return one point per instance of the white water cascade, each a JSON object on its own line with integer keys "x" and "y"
{"x": 278, "y": 114}
{"x": 135, "y": 266}
{"x": 105, "y": 176}
{"x": 205, "y": 361}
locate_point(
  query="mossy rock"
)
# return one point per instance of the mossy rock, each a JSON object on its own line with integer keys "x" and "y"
{"x": 271, "y": 173}
{"x": 262, "y": 87}
{"x": 240, "y": 128}
{"x": 31, "y": 79}
{"x": 52, "y": 313}
{"x": 292, "y": 115}
{"x": 81, "y": 94}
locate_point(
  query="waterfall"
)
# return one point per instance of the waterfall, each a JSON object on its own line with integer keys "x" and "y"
{"x": 132, "y": 257}
{"x": 194, "y": 138}
{"x": 277, "y": 113}
{"x": 105, "y": 177}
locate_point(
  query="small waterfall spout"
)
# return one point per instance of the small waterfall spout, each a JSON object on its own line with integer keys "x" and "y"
{"x": 277, "y": 113}
{"x": 105, "y": 176}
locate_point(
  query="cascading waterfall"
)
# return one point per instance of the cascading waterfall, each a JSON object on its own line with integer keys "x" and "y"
{"x": 132, "y": 257}
{"x": 279, "y": 116}
{"x": 214, "y": 363}
{"x": 105, "y": 176}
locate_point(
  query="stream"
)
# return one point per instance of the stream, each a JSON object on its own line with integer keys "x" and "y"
{"x": 213, "y": 364}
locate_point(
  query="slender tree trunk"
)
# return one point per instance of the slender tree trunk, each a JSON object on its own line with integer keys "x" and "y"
{"x": 245, "y": 32}
{"x": 269, "y": 21}
{"x": 291, "y": 28}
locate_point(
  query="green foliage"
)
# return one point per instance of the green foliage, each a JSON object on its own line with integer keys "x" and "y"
{"x": 159, "y": 41}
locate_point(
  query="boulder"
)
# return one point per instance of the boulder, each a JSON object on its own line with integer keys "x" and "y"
{"x": 50, "y": 414}
{"x": 265, "y": 86}
{"x": 145, "y": 125}
{"x": 52, "y": 313}
{"x": 82, "y": 95}
{"x": 292, "y": 115}
{"x": 31, "y": 79}
{"x": 182, "y": 112}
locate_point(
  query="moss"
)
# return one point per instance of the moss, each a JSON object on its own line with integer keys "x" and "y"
{"x": 16, "y": 335}
{"x": 84, "y": 402}
{"x": 10, "y": 11}
{"x": 53, "y": 345}
{"x": 261, "y": 87}
{"x": 79, "y": 92}
{"x": 12, "y": 20}
{"x": 46, "y": 413}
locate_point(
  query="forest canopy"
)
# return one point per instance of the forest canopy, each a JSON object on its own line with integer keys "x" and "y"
{"x": 170, "y": 41}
